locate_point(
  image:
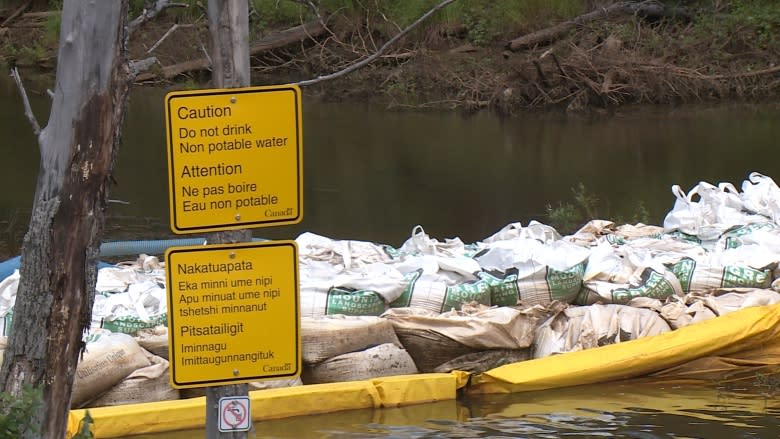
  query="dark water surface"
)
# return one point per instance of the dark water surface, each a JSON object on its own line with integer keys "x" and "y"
{"x": 614, "y": 410}
{"x": 372, "y": 175}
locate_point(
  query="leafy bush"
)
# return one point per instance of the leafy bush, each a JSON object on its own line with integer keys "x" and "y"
{"x": 16, "y": 414}
{"x": 567, "y": 217}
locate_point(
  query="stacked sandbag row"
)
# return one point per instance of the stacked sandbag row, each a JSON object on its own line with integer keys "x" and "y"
{"x": 475, "y": 338}
{"x": 115, "y": 370}
{"x": 512, "y": 266}
{"x": 723, "y": 239}
{"x": 351, "y": 348}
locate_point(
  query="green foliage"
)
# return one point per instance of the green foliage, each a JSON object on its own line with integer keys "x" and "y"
{"x": 52, "y": 28}
{"x": 567, "y": 216}
{"x": 755, "y": 22}
{"x": 85, "y": 428}
{"x": 483, "y": 20}
{"x": 17, "y": 414}
{"x": 763, "y": 16}
{"x": 273, "y": 13}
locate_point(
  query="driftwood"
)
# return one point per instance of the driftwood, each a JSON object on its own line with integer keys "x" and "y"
{"x": 16, "y": 13}
{"x": 270, "y": 42}
{"x": 649, "y": 10}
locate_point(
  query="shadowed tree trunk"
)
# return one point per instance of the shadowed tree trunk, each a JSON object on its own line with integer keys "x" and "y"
{"x": 78, "y": 148}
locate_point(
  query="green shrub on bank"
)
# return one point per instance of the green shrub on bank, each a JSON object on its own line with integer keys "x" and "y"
{"x": 16, "y": 414}
{"x": 568, "y": 216}
{"x": 482, "y": 20}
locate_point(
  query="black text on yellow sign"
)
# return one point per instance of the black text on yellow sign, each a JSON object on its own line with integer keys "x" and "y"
{"x": 235, "y": 158}
{"x": 233, "y": 313}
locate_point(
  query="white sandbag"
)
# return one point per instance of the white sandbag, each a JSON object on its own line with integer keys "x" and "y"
{"x": 329, "y": 336}
{"x": 764, "y": 234}
{"x": 154, "y": 340}
{"x": 147, "y": 384}
{"x": 543, "y": 272}
{"x": 275, "y": 384}
{"x": 761, "y": 195}
{"x": 727, "y": 300}
{"x": 328, "y": 290}
{"x": 679, "y": 315}
{"x": 746, "y": 266}
{"x": 442, "y": 290}
{"x": 591, "y": 232}
{"x": 345, "y": 254}
{"x": 475, "y": 326}
{"x": 142, "y": 306}
{"x": 383, "y": 360}
{"x": 108, "y": 359}
{"x": 650, "y": 283}
{"x": 420, "y": 243}
{"x": 596, "y": 230}
{"x": 619, "y": 274}
{"x": 535, "y": 230}
{"x": 318, "y": 299}
{"x": 8, "y": 287}
{"x": 433, "y": 339}
{"x": 585, "y": 327}
{"x": 718, "y": 209}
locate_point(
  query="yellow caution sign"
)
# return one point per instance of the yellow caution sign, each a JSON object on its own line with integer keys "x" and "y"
{"x": 233, "y": 313}
{"x": 235, "y": 158}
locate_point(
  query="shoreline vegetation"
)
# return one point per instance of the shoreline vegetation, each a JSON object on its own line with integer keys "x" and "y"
{"x": 507, "y": 56}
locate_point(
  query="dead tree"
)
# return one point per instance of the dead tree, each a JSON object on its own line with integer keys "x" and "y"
{"x": 78, "y": 148}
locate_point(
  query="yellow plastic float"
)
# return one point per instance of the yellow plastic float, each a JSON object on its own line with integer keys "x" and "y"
{"x": 741, "y": 343}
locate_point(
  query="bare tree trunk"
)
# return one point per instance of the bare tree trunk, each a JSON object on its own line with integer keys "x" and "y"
{"x": 59, "y": 259}
{"x": 229, "y": 31}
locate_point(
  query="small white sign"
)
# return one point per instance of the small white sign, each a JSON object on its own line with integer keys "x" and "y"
{"x": 234, "y": 414}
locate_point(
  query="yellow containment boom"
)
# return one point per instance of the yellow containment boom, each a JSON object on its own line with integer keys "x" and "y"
{"x": 743, "y": 341}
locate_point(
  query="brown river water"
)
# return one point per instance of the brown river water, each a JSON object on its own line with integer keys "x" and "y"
{"x": 372, "y": 174}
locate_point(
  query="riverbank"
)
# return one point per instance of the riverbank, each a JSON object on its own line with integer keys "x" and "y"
{"x": 507, "y": 56}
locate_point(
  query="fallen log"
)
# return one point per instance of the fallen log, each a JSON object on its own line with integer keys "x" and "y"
{"x": 650, "y": 10}
{"x": 16, "y": 13}
{"x": 273, "y": 41}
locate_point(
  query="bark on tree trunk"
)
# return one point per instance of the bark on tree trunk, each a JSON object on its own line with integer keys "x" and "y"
{"x": 229, "y": 31}
{"x": 78, "y": 148}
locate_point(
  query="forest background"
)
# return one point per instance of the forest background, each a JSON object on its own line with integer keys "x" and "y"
{"x": 505, "y": 55}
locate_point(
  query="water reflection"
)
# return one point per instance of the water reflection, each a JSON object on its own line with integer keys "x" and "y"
{"x": 636, "y": 409}
{"x": 371, "y": 174}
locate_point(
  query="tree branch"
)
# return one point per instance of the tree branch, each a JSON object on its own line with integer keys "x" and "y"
{"x": 26, "y": 102}
{"x": 351, "y": 68}
{"x": 166, "y": 35}
{"x": 149, "y": 13}
{"x": 142, "y": 65}
{"x": 16, "y": 13}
